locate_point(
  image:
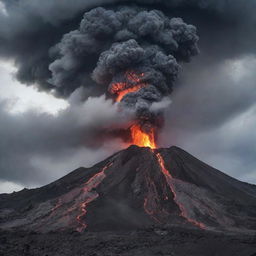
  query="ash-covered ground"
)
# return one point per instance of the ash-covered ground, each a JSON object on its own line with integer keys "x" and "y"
{"x": 153, "y": 241}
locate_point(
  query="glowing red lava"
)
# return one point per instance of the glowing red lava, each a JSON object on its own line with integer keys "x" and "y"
{"x": 89, "y": 195}
{"x": 170, "y": 181}
{"x": 151, "y": 200}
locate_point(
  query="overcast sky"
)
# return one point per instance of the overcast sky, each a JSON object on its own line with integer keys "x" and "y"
{"x": 212, "y": 115}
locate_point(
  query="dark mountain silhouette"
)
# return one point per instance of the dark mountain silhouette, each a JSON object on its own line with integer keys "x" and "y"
{"x": 135, "y": 188}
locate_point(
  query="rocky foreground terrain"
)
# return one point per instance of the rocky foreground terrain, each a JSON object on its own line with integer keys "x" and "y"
{"x": 155, "y": 241}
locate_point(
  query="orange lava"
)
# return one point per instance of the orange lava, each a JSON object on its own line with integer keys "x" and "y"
{"x": 163, "y": 169}
{"x": 141, "y": 138}
{"x": 90, "y": 196}
{"x": 132, "y": 83}
{"x": 170, "y": 180}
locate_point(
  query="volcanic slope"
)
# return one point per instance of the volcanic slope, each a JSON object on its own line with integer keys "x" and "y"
{"x": 133, "y": 189}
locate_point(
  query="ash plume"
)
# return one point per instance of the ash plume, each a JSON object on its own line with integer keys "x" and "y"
{"x": 29, "y": 29}
{"x": 62, "y": 53}
{"x": 133, "y": 49}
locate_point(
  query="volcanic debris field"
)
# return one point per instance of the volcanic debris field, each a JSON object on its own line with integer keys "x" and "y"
{"x": 175, "y": 241}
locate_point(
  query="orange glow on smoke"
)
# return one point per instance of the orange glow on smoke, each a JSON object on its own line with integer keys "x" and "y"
{"x": 141, "y": 138}
{"x": 133, "y": 82}
{"x": 121, "y": 94}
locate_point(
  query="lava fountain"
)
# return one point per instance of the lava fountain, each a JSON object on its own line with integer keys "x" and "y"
{"x": 132, "y": 82}
{"x": 141, "y": 138}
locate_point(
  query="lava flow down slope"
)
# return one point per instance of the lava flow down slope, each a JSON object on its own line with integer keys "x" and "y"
{"x": 135, "y": 188}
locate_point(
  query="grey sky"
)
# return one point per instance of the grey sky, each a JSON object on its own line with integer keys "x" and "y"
{"x": 212, "y": 115}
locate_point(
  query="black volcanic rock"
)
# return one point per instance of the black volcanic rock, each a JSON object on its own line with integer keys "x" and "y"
{"x": 175, "y": 241}
{"x": 135, "y": 188}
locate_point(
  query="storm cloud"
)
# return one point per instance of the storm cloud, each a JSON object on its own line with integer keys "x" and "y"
{"x": 212, "y": 113}
{"x": 32, "y": 143}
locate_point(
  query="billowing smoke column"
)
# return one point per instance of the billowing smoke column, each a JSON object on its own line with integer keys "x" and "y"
{"x": 136, "y": 55}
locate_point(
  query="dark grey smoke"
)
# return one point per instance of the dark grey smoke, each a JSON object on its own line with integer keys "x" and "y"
{"x": 130, "y": 37}
{"x": 54, "y": 49}
{"x": 32, "y": 27}
{"x": 147, "y": 44}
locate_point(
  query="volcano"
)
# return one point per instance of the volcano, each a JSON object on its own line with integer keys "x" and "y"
{"x": 135, "y": 188}
{"x": 139, "y": 201}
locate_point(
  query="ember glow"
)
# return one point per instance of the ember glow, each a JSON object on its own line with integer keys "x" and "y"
{"x": 141, "y": 138}
{"x": 171, "y": 182}
{"x": 121, "y": 94}
{"x": 132, "y": 82}
{"x": 90, "y": 195}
